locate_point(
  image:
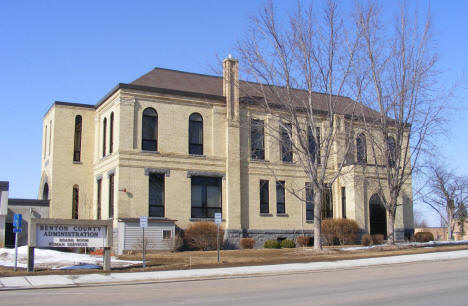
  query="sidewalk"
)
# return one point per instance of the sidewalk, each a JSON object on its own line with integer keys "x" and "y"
{"x": 48, "y": 281}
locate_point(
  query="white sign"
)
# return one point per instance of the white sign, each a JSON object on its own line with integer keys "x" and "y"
{"x": 71, "y": 236}
{"x": 143, "y": 221}
{"x": 217, "y": 218}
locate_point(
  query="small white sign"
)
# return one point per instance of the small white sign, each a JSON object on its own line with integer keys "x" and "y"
{"x": 218, "y": 219}
{"x": 143, "y": 221}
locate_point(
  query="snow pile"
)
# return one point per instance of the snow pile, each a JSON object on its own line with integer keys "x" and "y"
{"x": 52, "y": 259}
{"x": 416, "y": 244}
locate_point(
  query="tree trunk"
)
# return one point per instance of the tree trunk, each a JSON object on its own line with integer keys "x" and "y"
{"x": 391, "y": 227}
{"x": 317, "y": 219}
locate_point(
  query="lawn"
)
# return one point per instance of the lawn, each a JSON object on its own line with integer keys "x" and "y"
{"x": 161, "y": 261}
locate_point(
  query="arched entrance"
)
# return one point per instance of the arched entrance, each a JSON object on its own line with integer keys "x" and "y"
{"x": 377, "y": 216}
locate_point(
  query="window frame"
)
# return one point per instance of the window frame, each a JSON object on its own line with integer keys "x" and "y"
{"x": 77, "y": 138}
{"x": 99, "y": 198}
{"x": 204, "y": 182}
{"x": 280, "y": 192}
{"x": 111, "y": 196}
{"x": 264, "y": 196}
{"x": 195, "y": 120}
{"x": 310, "y": 203}
{"x": 286, "y": 143}
{"x": 156, "y": 178}
{"x": 257, "y": 139}
{"x": 343, "y": 202}
{"x": 111, "y": 133}
{"x": 104, "y": 136}
{"x": 150, "y": 144}
{"x": 75, "y": 202}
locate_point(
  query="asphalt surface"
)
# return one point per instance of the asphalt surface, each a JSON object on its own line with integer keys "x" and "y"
{"x": 424, "y": 283}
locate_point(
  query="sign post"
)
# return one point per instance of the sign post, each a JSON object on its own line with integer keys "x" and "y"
{"x": 218, "y": 221}
{"x": 17, "y": 220}
{"x": 143, "y": 224}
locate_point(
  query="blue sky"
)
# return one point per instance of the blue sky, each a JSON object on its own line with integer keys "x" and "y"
{"x": 78, "y": 50}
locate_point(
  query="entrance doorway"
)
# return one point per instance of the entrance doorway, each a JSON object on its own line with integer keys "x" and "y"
{"x": 377, "y": 216}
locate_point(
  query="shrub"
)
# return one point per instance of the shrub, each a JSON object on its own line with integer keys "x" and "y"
{"x": 302, "y": 241}
{"x": 339, "y": 231}
{"x": 202, "y": 236}
{"x": 328, "y": 231}
{"x": 247, "y": 243}
{"x": 423, "y": 237}
{"x": 366, "y": 240}
{"x": 289, "y": 244}
{"x": 346, "y": 231}
{"x": 272, "y": 244}
{"x": 377, "y": 238}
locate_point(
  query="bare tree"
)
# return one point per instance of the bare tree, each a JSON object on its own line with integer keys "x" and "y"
{"x": 398, "y": 80}
{"x": 301, "y": 68}
{"x": 447, "y": 194}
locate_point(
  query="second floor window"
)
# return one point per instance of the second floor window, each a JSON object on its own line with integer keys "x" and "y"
{"x": 257, "y": 139}
{"x": 149, "y": 133}
{"x": 361, "y": 149}
{"x": 314, "y": 144}
{"x": 391, "y": 146}
{"x": 286, "y": 144}
{"x": 196, "y": 134}
{"x": 77, "y": 139}
{"x": 111, "y": 133}
{"x": 104, "y": 136}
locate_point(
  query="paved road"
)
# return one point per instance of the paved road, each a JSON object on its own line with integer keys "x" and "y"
{"x": 427, "y": 283}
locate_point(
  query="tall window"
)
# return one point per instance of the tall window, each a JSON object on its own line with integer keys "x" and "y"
{"x": 314, "y": 144}
{"x": 149, "y": 130}
{"x": 327, "y": 204}
{"x": 280, "y": 198}
{"x": 111, "y": 133}
{"x": 50, "y": 134}
{"x": 196, "y": 134}
{"x": 391, "y": 151}
{"x": 309, "y": 202}
{"x": 77, "y": 146}
{"x": 361, "y": 149}
{"x": 45, "y": 192}
{"x": 99, "y": 195}
{"x": 156, "y": 195}
{"x": 286, "y": 144}
{"x": 264, "y": 197}
{"x": 343, "y": 202}
{"x": 111, "y": 196}
{"x": 206, "y": 196}
{"x": 257, "y": 139}
{"x": 75, "y": 201}
{"x": 104, "y": 132}
{"x": 45, "y": 142}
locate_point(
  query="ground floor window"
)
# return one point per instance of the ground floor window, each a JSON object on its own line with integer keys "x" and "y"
{"x": 280, "y": 198}
{"x": 206, "y": 196}
{"x": 264, "y": 197}
{"x": 309, "y": 202}
{"x": 156, "y": 195}
{"x": 75, "y": 202}
{"x": 327, "y": 204}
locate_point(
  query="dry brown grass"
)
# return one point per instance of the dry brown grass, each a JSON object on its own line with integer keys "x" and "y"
{"x": 199, "y": 259}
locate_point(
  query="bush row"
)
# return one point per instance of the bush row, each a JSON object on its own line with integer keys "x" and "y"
{"x": 376, "y": 239}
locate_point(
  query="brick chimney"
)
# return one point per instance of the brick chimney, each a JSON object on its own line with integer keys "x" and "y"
{"x": 231, "y": 87}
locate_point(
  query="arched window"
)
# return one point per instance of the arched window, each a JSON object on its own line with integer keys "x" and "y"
{"x": 104, "y": 130}
{"x": 196, "y": 134}
{"x": 111, "y": 133}
{"x": 361, "y": 149}
{"x": 149, "y": 130}
{"x": 391, "y": 151}
{"x": 45, "y": 192}
{"x": 75, "y": 201}
{"x": 77, "y": 146}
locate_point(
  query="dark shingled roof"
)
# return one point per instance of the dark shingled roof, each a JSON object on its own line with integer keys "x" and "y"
{"x": 249, "y": 92}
